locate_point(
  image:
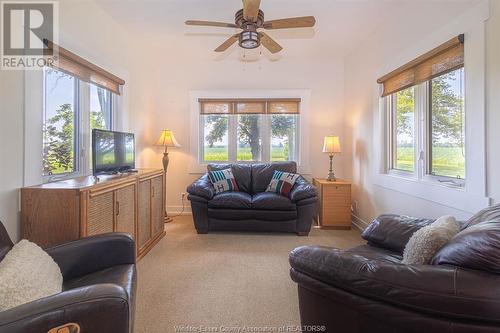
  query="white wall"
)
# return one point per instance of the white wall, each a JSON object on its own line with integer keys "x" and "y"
{"x": 493, "y": 100}
{"x": 86, "y": 30}
{"x": 361, "y": 100}
{"x": 163, "y": 100}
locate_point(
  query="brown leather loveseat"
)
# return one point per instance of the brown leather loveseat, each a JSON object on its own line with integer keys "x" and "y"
{"x": 368, "y": 289}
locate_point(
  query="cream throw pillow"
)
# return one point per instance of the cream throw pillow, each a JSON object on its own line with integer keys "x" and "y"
{"x": 426, "y": 241}
{"x": 27, "y": 273}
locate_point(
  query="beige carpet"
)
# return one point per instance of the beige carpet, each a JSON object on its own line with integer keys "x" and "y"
{"x": 222, "y": 279}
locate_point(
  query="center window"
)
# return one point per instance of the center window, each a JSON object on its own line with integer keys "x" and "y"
{"x": 249, "y": 130}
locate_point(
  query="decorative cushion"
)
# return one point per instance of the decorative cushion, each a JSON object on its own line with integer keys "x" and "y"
{"x": 223, "y": 180}
{"x": 27, "y": 273}
{"x": 427, "y": 241}
{"x": 393, "y": 232}
{"x": 282, "y": 182}
{"x": 477, "y": 247}
{"x": 262, "y": 173}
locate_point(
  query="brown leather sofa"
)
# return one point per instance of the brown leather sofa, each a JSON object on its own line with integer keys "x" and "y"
{"x": 98, "y": 291}
{"x": 368, "y": 289}
{"x": 252, "y": 208}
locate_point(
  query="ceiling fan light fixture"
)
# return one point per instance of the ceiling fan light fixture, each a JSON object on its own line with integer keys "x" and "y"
{"x": 249, "y": 40}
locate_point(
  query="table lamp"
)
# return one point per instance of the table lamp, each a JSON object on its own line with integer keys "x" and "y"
{"x": 167, "y": 139}
{"x": 332, "y": 147}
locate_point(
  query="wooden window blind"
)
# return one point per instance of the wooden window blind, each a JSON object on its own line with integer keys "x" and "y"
{"x": 86, "y": 71}
{"x": 441, "y": 60}
{"x": 250, "y": 106}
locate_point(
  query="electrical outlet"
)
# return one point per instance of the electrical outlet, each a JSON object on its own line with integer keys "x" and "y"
{"x": 183, "y": 195}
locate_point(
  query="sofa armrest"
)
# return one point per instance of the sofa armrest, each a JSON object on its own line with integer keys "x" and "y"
{"x": 392, "y": 231}
{"x": 439, "y": 290}
{"x": 303, "y": 190}
{"x": 202, "y": 187}
{"x": 92, "y": 254}
{"x": 97, "y": 308}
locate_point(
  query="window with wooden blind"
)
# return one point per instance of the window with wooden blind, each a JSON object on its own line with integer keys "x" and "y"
{"x": 247, "y": 130}
{"x": 425, "y": 101}
{"x": 78, "y": 97}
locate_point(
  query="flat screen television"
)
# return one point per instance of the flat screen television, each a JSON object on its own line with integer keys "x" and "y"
{"x": 112, "y": 152}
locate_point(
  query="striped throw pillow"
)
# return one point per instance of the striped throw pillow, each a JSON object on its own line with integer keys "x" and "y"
{"x": 223, "y": 180}
{"x": 282, "y": 182}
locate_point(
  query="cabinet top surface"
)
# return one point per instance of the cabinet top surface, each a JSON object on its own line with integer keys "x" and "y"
{"x": 323, "y": 181}
{"x": 102, "y": 180}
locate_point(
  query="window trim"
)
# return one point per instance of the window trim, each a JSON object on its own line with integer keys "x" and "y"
{"x": 196, "y": 167}
{"x": 473, "y": 196}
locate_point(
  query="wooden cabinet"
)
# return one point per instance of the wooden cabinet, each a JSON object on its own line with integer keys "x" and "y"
{"x": 151, "y": 211}
{"x": 157, "y": 209}
{"x": 335, "y": 204}
{"x": 59, "y": 212}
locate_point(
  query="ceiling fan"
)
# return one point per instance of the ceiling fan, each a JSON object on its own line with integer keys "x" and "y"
{"x": 250, "y": 19}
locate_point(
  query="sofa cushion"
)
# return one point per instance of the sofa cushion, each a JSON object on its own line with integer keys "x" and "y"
{"x": 241, "y": 172}
{"x": 272, "y": 201}
{"x": 477, "y": 247}
{"x": 235, "y": 200}
{"x": 262, "y": 173}
{"x": 488, "y": 214}
{"x": 392, "y": 231}
{"x": 282, "y": 183}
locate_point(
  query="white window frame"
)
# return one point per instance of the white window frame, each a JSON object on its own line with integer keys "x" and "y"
{"x": 33, "y": 128}
{"x": 472, "y": 196}
{"x": 197, "y": 166}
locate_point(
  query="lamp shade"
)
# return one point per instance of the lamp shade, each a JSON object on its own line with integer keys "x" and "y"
{"x": 331, "y": 145}
{"x": 167, "y": 139}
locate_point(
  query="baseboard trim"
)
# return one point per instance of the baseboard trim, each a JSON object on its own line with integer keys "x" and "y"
{"x": 177, "y": 210}
{"x": 358, "y": 222}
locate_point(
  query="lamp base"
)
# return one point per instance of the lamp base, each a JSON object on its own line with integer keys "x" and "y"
{"x": 168, "y": 219}
{"x": 331, "y": 177}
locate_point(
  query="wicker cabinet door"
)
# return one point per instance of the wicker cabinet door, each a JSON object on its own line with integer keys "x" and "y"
{"x": 144, "y": 213}
{"x": 125, "y": 210}
{"x": 100, "y": 214}
{"x": 157, "y": 202}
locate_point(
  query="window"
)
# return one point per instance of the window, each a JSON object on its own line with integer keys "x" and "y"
{"x": 426, "y": 118}
{"x": 249, "y": 130}
{"x": 447, "y": 125}
{"x": 404, "y": 130}
{"x": 60, "y": 123}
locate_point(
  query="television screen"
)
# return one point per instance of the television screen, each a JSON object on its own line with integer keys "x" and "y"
{"x": 112, "y": 151}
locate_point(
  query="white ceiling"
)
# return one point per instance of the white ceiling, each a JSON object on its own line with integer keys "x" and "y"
{"x": 341, "y": 24}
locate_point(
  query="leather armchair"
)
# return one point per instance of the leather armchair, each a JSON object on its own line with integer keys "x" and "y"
{"x": 99, "y": 287}
{"x": 368, "y": 289}
{"x": 251, "y": 208}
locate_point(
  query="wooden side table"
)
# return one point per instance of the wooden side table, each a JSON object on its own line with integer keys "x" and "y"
{"x": 335, "y": 203}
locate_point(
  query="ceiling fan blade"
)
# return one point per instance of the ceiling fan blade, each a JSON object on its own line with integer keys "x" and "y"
{"x": 292, "y": 22}
{"x": 224, "y": 46}
{"x": 211, "y": 24}
{"x": 269, "y": 43}
{"x": 251, "y": 10}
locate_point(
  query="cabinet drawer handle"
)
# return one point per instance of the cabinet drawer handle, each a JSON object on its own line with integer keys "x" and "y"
{"x": 117, "y": 208}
